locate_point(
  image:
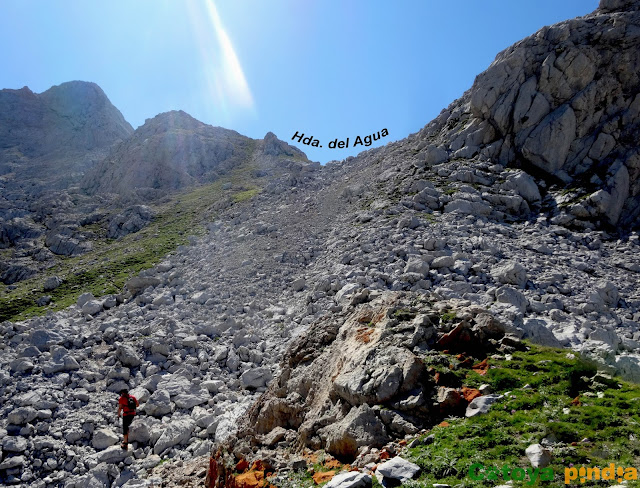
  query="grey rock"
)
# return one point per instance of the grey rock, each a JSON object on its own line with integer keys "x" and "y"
{"x": 548, "y": 145}
{"x": 298, "y": 285}
{"x": 538, "y": 332}
{"x": 195, "y": 396}
{"x": 539, "y": 456}
{"x": 61, "y": 364}
{"x": 12, "y": 462}
{"x": 92, "y": 307}
{"x": 510, "y": 273}
{"x": 15, "y": 273}
{"x": 22, "y": 415}
{"x": 385, "y": 373}
{"x": 468, "y": 207}
{"x": 351, "y": 479}
{"x": 138, "y": 284}
{"x": 434, "y": 155}
{"x": 44, "y": 339}
{"x": 103, "y": 438}
{"x": 481, "y": 405}
{"x": 397, "y": 468}
{"x": 21, "y": 365}
{"x": 139, "y": 431}
{"x": 608, "y": 292}
{"x": 360, "y": 427}
{"x": 159, "y": 403}
{"x": 84, "y": 298}
{"x": 112, "y": 455}
{"x": 14, "y": 444}
{"x": 443, "y": 262}
{"x": 128, "y": 356}
{"x": 175, "y": 433}
{"x": 417, "y": 266}
{"x": 513, "y": 297}
{"x": 256, "y": 378}
{"x": 52, "y": 283}
{"x": 131, "y": 220}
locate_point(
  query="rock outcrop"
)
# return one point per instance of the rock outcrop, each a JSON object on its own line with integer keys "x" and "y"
{"x": 563, "y": 105}
{"x": 364, "y": 379}
{"x": 72, "y": 117}
{"x": 173, "y": 150}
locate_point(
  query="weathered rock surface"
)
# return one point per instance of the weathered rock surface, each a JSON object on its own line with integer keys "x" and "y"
{"x": 397, "y": 469}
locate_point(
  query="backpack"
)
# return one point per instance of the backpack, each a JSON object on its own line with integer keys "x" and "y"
{"x": 131, "y": 403}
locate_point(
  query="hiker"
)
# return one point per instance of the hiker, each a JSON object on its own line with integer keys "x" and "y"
{"x": 127, "y": 405}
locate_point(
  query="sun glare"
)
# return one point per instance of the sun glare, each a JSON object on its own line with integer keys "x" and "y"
{"x": 222, "y": 69}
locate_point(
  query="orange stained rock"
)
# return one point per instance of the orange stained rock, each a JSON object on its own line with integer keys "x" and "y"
{"x": 470, "y": 393}
{"x": 250, "y": 479}
{"x": 444, "y": 423}
{"x": 332, "y": 464}
{"x": 242, "y": 466}
{"x": 312, "y": 458}
{"x": 258, "y": 466}
{"x": 323, "y": 476}
{"x": 481, "y": 367}
{"x": 364, "y": 335}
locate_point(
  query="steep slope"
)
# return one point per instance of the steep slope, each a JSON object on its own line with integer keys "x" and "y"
{"x": 564, "y": 105}
{"x": 47, "y": 141}
{"x": 367, "y": 264}
{"x": 173, "y": 150}
{"x": 70, "y": 134}
{"x": 63, "y": 123}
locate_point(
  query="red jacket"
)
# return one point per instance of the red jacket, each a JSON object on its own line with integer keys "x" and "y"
{"x": 124, "y": 402}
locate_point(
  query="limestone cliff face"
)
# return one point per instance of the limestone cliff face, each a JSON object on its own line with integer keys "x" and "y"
{"x": 73, "y": 116}
{"x": 173, "y": 150}
{"x": 564, "y": 105}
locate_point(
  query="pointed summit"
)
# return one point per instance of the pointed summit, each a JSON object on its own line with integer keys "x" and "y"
{"x": 72, "y": 116}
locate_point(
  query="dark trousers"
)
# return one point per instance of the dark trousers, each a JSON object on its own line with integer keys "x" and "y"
{"x": 126, "y": 422}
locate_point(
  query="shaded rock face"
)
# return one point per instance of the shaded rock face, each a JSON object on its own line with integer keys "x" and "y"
{"x": 72, "y": 116}
{"x": 566, "y": 101}
{"x": 173, "y": 150}
{"x": 131, "y": 220}
{"x": 47, "y": 141}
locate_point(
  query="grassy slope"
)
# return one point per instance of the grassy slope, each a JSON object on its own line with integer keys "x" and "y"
{"x": 606, "y": 416}
{"x": 111, "y": 263}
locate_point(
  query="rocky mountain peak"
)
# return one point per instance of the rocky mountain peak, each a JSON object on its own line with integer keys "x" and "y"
{"x": 172, "y": 120}
{"x": 618, "y": 5}
{"x": 72, "y": 116}
{"x": 174, "y": 150}
{"x": 275, "y": 147}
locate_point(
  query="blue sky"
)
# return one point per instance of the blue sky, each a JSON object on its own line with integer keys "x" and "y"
{"x": 329, "y": 69}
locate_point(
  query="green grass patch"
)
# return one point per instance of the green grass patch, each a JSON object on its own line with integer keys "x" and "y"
{"x": 539, "y": 387}
{"x": 448, "y": 317}
{"x": 112, "y": 262}
{"x": 243, "y": 196}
